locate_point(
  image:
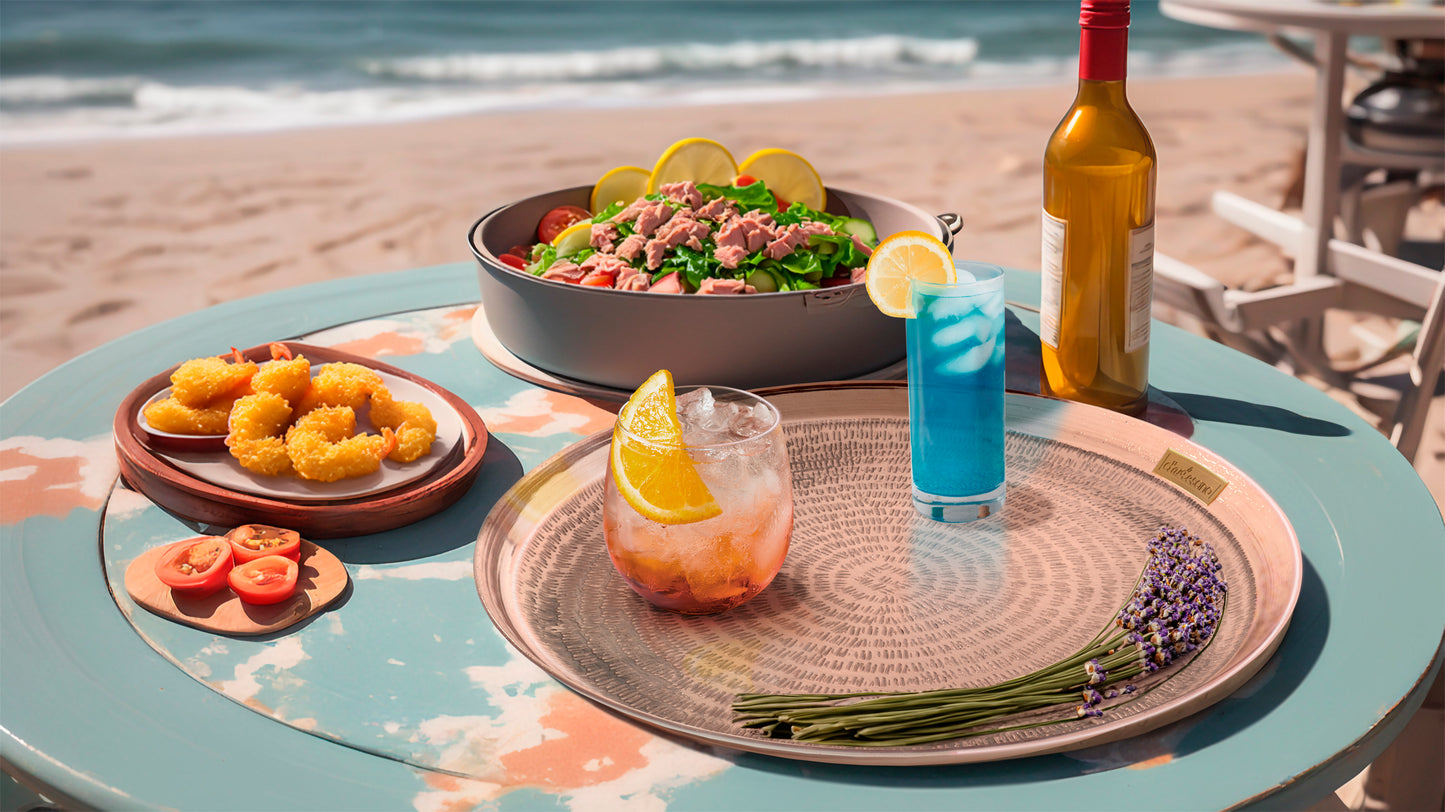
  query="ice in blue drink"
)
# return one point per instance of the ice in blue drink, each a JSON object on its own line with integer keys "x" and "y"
{"x": 955, "y": 394}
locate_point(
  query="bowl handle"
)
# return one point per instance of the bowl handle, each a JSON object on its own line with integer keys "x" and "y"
{"x": 952, "y": 222}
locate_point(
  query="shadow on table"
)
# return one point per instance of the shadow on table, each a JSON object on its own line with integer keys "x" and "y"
{"x": 1256, "y": 699}
{"x": 444, "y": 531}
{"x": 1244, "y": 413}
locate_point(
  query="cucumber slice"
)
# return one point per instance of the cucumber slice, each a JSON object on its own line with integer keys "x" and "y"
{"x": 862, "y": 229}
{"x": 762, "y": 281}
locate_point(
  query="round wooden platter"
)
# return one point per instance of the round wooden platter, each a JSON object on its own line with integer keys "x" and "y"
{"x": 148, "y": 471}
{"x": 322, "y": 580}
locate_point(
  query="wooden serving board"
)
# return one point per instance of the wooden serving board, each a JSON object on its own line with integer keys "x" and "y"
{"x": 205, "y": 502}
{"x": 321, "y": 581}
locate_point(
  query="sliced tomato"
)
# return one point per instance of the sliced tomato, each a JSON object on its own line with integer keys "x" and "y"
{"x": 513, "y": 261}
{"x": 558, "y": 220}
{"x": 782, "y": 204}
{"x": 251, "y": 541}
{"x": 268, "y": 579}
{"x": 197, "y": 567}
{"x": 744, "y": 180}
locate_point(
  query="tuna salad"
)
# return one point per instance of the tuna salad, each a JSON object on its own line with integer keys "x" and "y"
{"x": 706, "y": 239}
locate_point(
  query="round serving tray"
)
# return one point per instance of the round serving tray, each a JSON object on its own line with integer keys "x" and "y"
{"x": 504, "y": 359}
{"x": 159, "y": 472}
{"x": 875, "y": 597}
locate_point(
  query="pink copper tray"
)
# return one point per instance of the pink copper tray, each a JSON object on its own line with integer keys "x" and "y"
{"x": 875, "y": 597}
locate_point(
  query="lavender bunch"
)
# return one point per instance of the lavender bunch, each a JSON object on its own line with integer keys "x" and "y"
{"x": 1174, "y": 610}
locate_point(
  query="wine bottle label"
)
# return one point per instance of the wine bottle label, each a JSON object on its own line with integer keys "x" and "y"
{"x": 1141, "y": 286}
{"x": 1053, "y": 279}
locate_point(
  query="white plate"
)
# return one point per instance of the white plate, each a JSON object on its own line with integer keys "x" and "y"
{"x": 220, "y": 468}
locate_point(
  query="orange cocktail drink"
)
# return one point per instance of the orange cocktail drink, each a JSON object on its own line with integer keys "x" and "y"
{"x": 698, "y": 502}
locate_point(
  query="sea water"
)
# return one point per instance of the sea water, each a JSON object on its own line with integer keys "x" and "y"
{"x": 956, "y": 395}
{"x": 97, "y": 68}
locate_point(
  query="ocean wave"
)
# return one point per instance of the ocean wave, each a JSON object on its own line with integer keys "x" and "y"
{"x": 872, "y": 53}
{"x": 62, "y": 90}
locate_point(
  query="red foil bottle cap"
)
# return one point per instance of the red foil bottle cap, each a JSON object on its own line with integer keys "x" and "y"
{"x": 1104, "y": 13}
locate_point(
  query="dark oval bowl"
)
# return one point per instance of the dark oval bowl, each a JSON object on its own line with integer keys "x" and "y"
{"x": 618, "y": 338}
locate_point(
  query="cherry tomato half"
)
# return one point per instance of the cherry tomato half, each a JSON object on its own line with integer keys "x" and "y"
{"x": 197, "y": 567}
{"x": 744, "y": 180}
{"x": 268, "y": 579}
{"x": 513, "y": 261}
{"x": 557, "y": 220}
{"x": 251, "y": 541}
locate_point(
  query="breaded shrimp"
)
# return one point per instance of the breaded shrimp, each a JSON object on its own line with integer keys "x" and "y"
{"x": 200, "y": 381}
{"x": 258, "y": 423}
{"x": 413, "y": 423}
{"x": 322, "y": 448}
{"x": 349, "y": 385}
{"x": 172, "y": 416}
{"x": 284, "y": 375}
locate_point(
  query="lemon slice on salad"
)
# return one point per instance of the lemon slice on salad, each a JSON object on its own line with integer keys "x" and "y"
{"x": 787, "y": 175}
{"x": 900, "y": 259}
{"x": 623, "y": 184}
{"x": 650, "y": 466}
{"x": 700, "y": 160}
{"x": 573, "y": 238}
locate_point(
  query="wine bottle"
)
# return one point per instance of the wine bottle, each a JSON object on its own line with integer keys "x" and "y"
{"x": 1098, "y": 229}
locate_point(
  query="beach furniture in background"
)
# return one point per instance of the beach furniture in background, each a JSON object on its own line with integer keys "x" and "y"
{"x": 1360, "y": 272}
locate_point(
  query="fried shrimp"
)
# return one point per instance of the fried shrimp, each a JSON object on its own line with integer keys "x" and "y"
{"x": 349, "y": 385}
{"x": 258, "y": 423}
{"x": 170, "y": 415}
{"x": 200, "y": 381}
{"x": 284, "y": 375}
{"x": 413, "y": 423}
{"x": 322, "y": 448}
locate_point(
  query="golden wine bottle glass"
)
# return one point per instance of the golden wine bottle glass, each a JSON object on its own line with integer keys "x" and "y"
{"x": 1098, "y": 229}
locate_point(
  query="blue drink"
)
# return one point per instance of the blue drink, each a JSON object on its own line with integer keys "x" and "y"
{"x": 955, "y": 394}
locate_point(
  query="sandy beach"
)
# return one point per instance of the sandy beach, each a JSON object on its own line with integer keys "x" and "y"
{"x": 102, "y": 238}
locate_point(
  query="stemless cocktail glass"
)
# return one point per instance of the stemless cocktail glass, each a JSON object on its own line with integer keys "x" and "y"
{"x": 735, "y": 441}
{"x": 955, "y": 394}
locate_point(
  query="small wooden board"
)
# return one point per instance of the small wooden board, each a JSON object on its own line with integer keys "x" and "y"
{"x": 322, "y": 580}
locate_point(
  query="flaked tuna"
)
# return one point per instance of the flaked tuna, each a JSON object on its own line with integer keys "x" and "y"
{"x": 602, "y": 236}
{"x": 683, "y": 229}
{"x": 722, "y": 287}
{"x": 606, "y": 264}
{"x": 564, "y": 271}
{"x": 631, "y": 247}
{"x": 718, "y": 210}
{"x": 759, "y": 228}
{"x": 630, "y": 212}
{"x": 862, "y": 246}
{"x": 654, "y": 215}
{"x": 730, "y": 255}
{"x": 637, "y": 282}
{"x": 791, "y": 237}
{"x": 684, "y": 192}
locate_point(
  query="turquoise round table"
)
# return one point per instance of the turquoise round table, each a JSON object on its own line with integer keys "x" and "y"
{"x": 405, "y": 696}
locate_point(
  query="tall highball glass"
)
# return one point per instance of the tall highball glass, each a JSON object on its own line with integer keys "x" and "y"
{"x": 956, "y": 394}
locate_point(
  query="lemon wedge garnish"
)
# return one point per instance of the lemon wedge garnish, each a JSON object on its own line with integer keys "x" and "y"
{"x": 787, "y": 175}
{"x": 900, "y": 259}
{"x": 700, "y": 160}
{"x": 624, "y": 184}
{"x": 650, "y": 465}
{"x": 573, "y": 238}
